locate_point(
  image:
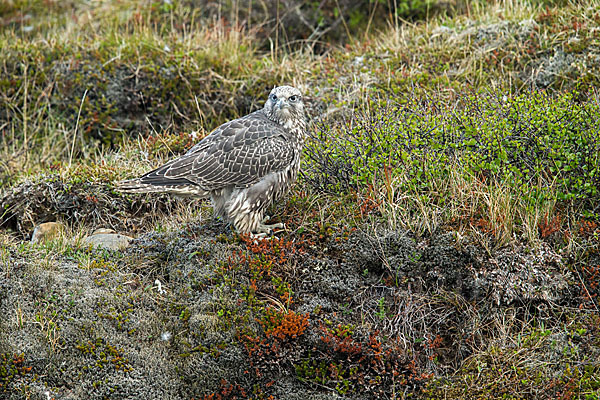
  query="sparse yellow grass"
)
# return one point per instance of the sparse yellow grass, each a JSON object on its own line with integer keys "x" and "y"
{"x": 496, "y": 214}
{"x": 449, "y": 50}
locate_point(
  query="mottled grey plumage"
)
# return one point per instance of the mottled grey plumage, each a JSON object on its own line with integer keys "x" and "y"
{"x": 243, "y": 166}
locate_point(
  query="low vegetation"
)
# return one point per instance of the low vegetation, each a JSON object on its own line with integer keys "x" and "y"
{"x": 441, "y": 242}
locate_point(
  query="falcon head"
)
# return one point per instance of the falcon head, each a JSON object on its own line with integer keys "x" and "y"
{"x": 284, "y": 105}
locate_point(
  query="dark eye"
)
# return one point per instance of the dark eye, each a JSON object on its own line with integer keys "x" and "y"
{"x": 274, "y": 97}
{"x": 293, "y": 98}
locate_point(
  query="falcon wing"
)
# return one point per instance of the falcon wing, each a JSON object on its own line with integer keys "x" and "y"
{"x": 239, "y": 153}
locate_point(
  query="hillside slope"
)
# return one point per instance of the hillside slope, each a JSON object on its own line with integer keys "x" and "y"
{"x": 441, "y": 242}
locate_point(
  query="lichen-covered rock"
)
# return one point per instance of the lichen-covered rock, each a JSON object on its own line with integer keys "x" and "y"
{"x": 559, "y": 64}
{"x": 489, "y": 36}
{"x": 521, "y": 275}
{"x": 441, "y": 261}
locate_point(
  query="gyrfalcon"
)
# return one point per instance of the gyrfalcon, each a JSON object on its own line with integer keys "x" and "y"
{"x": 242, "y": 166}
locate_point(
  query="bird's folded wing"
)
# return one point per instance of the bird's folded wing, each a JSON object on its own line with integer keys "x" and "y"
{"x": 239, "y": 162}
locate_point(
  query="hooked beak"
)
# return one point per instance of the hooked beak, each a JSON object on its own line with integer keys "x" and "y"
{"x": 281, "y": 104}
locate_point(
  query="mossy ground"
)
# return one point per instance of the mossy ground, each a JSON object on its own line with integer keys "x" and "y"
{"x": 442, "y": 241}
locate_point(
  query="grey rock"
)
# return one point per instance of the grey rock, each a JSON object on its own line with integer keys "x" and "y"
{"x": 109, "y": 241}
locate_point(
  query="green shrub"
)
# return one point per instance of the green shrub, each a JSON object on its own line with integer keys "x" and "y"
{"x": 543, "y": 147}
{"x": 534, "y": 142}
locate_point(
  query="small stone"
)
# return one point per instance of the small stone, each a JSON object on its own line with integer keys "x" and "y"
{"x": 359, "y": 60}
{"x": 47, "y": 231}
{"x": 109, "y": 241}
{"x": 442, "y": 31}
{"x": 103, "y": 230}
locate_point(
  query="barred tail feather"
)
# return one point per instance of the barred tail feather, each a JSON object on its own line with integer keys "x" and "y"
{"x": 137, "y": 186}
